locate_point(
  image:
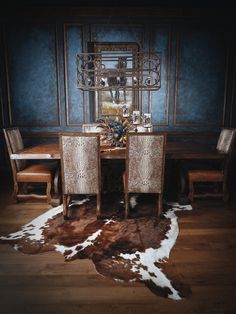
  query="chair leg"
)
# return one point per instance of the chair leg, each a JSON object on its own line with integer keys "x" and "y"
{"x": 159, "y": 204}
{"x": 124, "y": 182}
{"x": 25, "y": 187}
{"x": 55, "y": 183}
{"x": 182, "y": 181}
{"x": 65, "y": 206}
{"x": 126, "y": 205}
{"x": 191, "y": 191}
{"x": 225, "y": 191}
{"x": 49, "y": 192}
{"x": 15, "y": 192}
{"x": 98, "y": 209}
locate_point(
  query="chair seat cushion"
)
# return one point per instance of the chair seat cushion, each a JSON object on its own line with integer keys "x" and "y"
{"x": 36, "y": 173}
{"x": 205, "y": 175}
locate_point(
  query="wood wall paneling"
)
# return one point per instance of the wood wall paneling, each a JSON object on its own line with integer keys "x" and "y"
{"x": 118, "y": 33}
{"x": 200, "y": 79}
{"x": 1, "y": 77}
{"x": 75, "y": 98}
{"x": 4, "y": 159}
{"x": 233, "y": 92}
{"x": 1, "y": 107}
{"x": 192, "y": 97}
{"x": 159, "y": 102}
{"x": 32, "y": 74}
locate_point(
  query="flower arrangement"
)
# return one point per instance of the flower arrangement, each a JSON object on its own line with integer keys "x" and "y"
{"x": 115, "y": 131}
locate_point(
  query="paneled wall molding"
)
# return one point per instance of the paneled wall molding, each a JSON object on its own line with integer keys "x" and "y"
{"x": 224, "y": 121}
{"x": 181, "y": 109}
{"x": 179, "y": 105}
{"x": 165, "y": 78}
{"x": 232, "y": 104}
{"x": 7, "y": 75}
{"x": 1, "y": 108}
{"x": 38, "y": 91}
{"x": 1, "y": 78}
{"x": 57, "y": 52}
{"x": 232, "y": 91}
{"x": 78, "y": 100}
{"x": 22, "y": 89}
{"x": 117, "y": 32}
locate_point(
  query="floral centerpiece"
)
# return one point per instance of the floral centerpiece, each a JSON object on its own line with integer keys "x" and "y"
{"x": 114, "y": 131}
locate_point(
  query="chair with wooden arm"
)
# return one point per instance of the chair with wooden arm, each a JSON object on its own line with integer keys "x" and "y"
{"x": 220, "y": 175}
{"x": 25, "y": 174}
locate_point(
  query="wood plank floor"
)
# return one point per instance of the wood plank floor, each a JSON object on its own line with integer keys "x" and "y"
{"x": 204, "y": 256}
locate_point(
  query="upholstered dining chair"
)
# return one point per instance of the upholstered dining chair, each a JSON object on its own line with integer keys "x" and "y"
{"x": 25, "y": 174}
{"x": 145, "y": 163}
{"x": 219, "y": 175}
{"x": 80, "y": 167}
{"x": 106, "y": 166}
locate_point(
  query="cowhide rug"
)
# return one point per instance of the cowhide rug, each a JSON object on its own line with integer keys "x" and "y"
{"x": 135, "y": 249}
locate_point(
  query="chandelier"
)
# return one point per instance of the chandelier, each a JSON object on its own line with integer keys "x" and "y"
{"x": 103, "y": 71}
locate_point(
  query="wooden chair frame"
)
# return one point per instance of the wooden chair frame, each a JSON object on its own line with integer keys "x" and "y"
{"x": 217, "y": 176}
{"x": 16, "y": 194}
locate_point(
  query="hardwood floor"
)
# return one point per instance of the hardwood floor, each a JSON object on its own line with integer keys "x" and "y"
{"x": 204, "y": 256}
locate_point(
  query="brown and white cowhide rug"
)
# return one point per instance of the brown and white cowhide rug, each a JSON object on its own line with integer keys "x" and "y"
{"x": 134, "y": 249}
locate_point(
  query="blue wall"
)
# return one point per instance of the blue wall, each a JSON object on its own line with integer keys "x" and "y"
{"x": 38, "y": 73}
{"x": 32, "y": 75}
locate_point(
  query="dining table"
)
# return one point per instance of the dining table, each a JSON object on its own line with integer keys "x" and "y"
{"x": 175, "y": 150}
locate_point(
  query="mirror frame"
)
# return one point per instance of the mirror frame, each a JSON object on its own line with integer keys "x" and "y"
{"x": 102, "y": 107}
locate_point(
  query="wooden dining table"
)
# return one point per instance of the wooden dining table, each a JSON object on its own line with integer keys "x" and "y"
{"x": 174, "y": 150}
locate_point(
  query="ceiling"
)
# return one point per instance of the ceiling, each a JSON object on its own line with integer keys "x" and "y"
{"x": 117, "y": 3}
{"x": 201, "y": 9}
